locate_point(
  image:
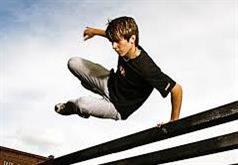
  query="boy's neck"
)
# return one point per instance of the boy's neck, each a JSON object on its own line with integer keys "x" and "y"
{"x": 133, "y": 53}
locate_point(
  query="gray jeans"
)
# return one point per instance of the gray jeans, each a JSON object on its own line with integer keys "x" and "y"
{"x": 93, "y": 77}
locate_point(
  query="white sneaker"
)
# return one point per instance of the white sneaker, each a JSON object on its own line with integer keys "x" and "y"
{"x": 61, "y": 109}
{"x": 68, "y": 109}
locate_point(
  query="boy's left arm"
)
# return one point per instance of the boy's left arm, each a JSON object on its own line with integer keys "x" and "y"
{"x": 176, "y": 101}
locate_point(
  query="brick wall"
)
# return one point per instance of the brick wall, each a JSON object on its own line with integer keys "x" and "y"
{"x": 14, "y": 157}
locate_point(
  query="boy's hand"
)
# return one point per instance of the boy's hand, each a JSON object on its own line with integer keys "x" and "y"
{"x": 88, "y": 33}
{"x": 160, "y": 124}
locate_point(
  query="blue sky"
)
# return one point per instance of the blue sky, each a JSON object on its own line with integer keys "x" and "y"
{"x": 195, "y": 42}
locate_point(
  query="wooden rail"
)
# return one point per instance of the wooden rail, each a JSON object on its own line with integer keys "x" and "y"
{"x": 205, "y": 147}
{"x": 209, "y": 118}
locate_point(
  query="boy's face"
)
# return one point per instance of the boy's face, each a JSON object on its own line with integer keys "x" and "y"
{"x": 123, "y": 47}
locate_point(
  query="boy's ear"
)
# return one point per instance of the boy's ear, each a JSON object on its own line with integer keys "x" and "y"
{"x": 132, "y": 39}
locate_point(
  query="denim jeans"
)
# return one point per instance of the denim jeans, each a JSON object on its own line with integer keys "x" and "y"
{"x": 93, "y": 77}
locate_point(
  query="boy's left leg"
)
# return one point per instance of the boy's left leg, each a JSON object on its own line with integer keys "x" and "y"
{"x": 89, "y": 106}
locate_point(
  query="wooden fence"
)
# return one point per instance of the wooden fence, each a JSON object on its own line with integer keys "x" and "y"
{"x": 209, "y": 118}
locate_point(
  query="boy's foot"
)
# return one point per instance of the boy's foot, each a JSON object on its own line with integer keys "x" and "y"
{"x": 61, "y": 109}
{"x": 68, "y": 109}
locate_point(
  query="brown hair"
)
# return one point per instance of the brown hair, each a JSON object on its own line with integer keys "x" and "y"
{"x": 122, "y": 27}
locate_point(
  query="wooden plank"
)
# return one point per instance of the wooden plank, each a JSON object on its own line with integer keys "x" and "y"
{"x": 212, "y": 117}
{"x": 204, "y": 147}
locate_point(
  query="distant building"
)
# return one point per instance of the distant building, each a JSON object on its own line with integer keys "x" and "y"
{"x": 14, "y": 157}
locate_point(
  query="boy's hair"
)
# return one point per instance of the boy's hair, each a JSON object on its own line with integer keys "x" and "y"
{"x": 122, "y": 27}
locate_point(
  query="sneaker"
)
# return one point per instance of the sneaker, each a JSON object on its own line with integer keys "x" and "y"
{"x": 68, "y": 109}
{"x": 61, "y": 109}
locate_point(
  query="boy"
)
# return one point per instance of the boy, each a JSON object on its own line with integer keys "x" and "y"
{"x": 125, "y": 90}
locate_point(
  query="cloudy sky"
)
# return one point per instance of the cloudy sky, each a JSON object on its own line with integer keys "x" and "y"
{"x": 195, "y": 42}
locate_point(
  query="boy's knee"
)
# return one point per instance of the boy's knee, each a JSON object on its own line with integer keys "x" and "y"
{"x": 74, "y": 62}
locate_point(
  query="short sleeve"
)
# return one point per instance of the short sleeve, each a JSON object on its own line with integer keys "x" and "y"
{"x": 159, "y": 80}
{"x": 153, "y": 75}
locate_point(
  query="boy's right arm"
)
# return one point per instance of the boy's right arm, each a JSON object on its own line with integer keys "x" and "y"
{"x": 91, "y": 32}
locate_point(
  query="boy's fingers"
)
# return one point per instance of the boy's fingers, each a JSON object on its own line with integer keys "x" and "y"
{"x": 85, "y": 33}
{"x": 86, "y": 37}
{"x": 160, "y": 124}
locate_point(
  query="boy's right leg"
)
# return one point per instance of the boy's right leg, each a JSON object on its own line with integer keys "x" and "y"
{"x": 92, "y": 76}
{"x": 95, "y": 78}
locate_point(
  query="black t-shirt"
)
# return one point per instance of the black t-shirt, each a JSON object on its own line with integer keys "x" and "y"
{"x": 134, "y": 81}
